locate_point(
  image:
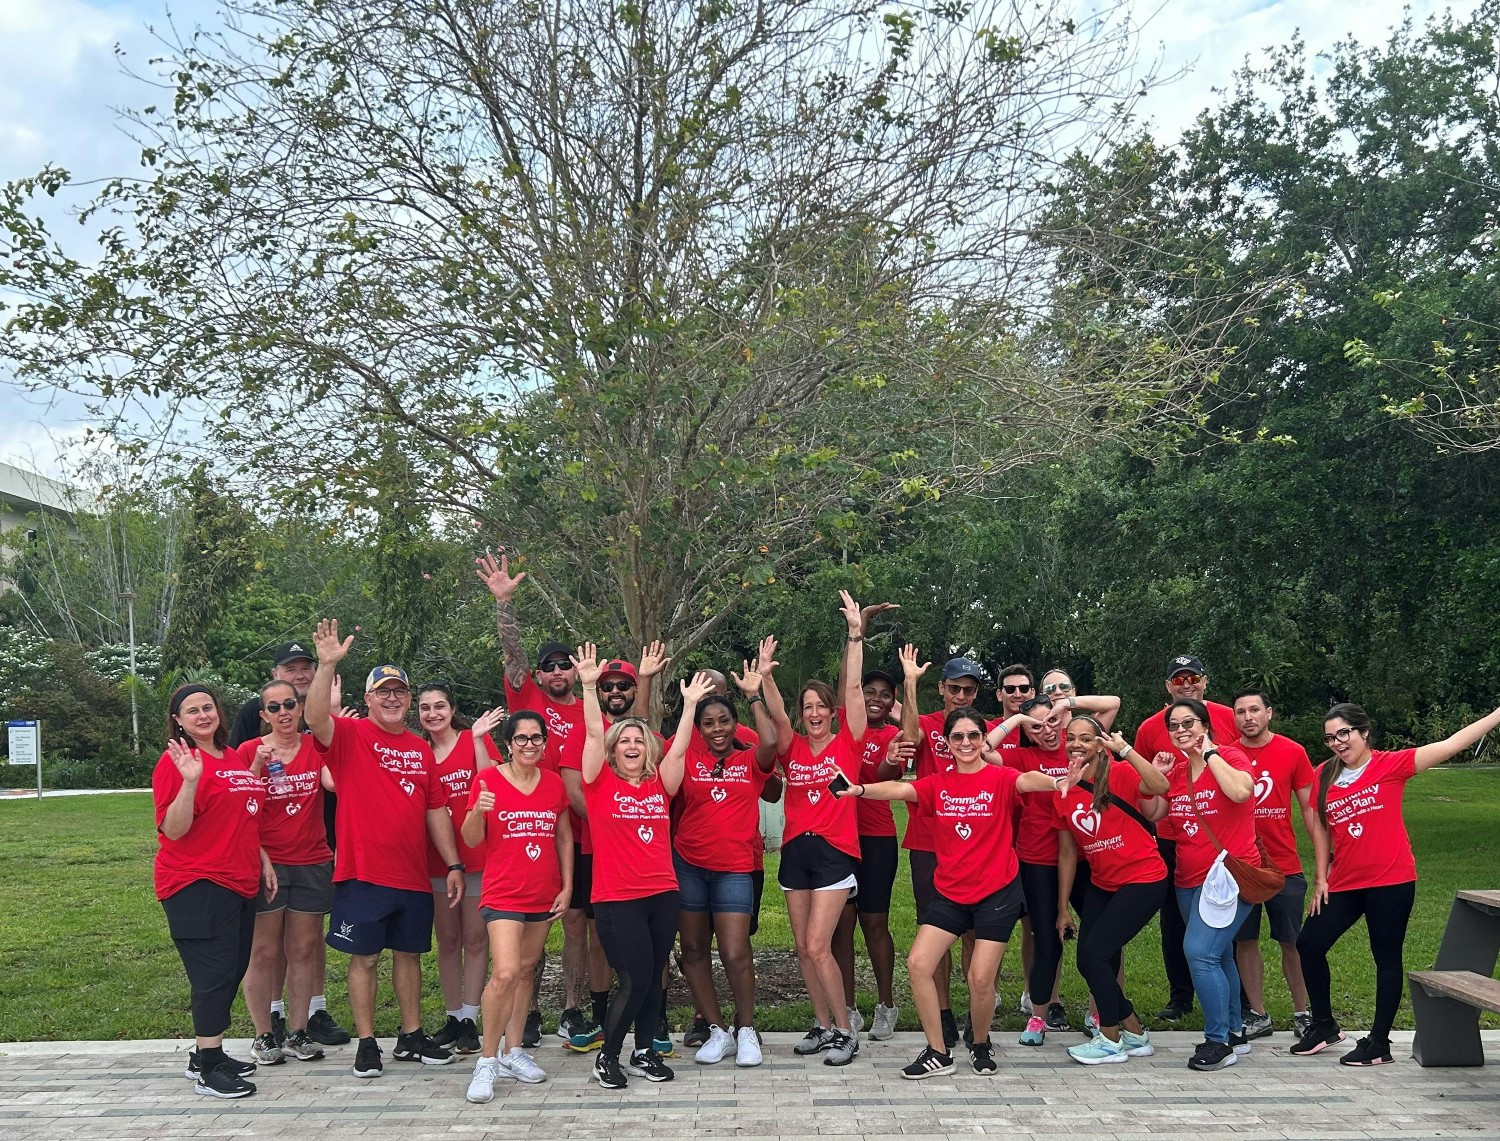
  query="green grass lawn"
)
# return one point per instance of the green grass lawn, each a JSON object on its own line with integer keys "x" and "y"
{"x": 84, "y": 951}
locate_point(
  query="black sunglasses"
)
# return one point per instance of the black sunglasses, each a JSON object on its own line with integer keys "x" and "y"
{"x": 616, "y": 686}
{"x": 277, "y": 706}
{"x": 554, "y": 665}
{"x": 1027, "y": 688}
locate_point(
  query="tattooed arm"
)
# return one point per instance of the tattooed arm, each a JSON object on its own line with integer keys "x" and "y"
{"x": 503, "y": 585}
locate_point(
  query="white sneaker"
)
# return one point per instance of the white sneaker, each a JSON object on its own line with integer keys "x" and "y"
{"x": 856, "y": 1019}
{"x": 482, "y": 1084}
{"x": 1024, "y": 1006}
{"x": 522, "y": 1066}
{"x": 747, "y": 1049}
{"x": 713, "y": 1051}
{"x": 884, "y": 1024}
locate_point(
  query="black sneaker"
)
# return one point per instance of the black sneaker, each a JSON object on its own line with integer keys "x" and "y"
{"x": 569, "y": 1022}
{"x": 278, "y": 1028}
{"x": 531, "y": 1038}
{"x": 928, "y": 1064}
{"x": 367, "y": 1063}
{"x": 648, "y": 1064}
{"x": 950, "y": 1029}
{"x": 1368, "y": 1052}
{"x": 448, "y": 1034}
{"x": 818, "y": 1038}
{"x": 1212, "y": 1056}
{"x": 607, "y": 1071}
{"x": 224, "y": 1081}
{"x": 323, "y": 1030}
{"x": 697, "y": 1033}
{"x": 982, "y": 1057}
{"x": 1174, "y": 1011}
{"x": 1239, "y": 1042}
{"x": 417, "y": 1047}
{"x": 243, "y": 1069}
{"x": 1319, "y": 1036}
{"x": 467, "y": 1041}
{"x": 1057, "y": 1017}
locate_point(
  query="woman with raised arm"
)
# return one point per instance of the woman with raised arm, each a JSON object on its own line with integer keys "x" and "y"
{"x": 1373, "y": 871}
{"x": 209, "y": 865}
{"x": 517, "y": 817}
{"x": 821, "y": 848}
{"x": 977, "y": 878}
{"x": 714, "y": 852}
{"x": 627, "y": 787}
{"x": 1105, "y": 815}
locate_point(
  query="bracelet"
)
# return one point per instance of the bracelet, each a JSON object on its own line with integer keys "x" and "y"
{"x": 857, "y": 638}
{"x": 754, "y": 697}
{"x": 455, "y": 867}
{"x": 860, "y": 793}
{"x": 1123, "y": 753}
{"x": 1055, "y": 781}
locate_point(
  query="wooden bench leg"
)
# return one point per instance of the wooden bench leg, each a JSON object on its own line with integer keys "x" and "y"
{"x": 1447, "y": 1031}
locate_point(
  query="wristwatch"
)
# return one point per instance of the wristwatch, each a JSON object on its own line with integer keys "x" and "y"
{"x": 455, "y": 867}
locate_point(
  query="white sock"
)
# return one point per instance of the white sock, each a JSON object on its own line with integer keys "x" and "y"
{"x": 469, "y": 1013}
{"x": 318, "y": 1003}
{"x": 279, "y": 1007}
{"x": 1301, "y": 1014}
{"x": 457, "y": 1012}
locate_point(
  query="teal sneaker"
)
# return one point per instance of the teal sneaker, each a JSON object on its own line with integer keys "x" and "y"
{"x": 1099, "y": 1051}
{"x": 1035, "y": 1033}
{"x": 1137, "y": 1045}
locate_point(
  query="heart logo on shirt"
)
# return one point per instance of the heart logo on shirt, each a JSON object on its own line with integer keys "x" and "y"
{"x": 1191, "y": 828}
{"x": 645, "y": 834}
{"x": 407, "y": 787}
{"x": 293, "y": 808}
{"x": 252, "y": 806}
{"x": 1086, "y": 820}
{"x": 963, "y": 830}
{"x": 534, "y": 851}
{"x": 1263, "y": 787}
{"x": 1356, "y": 830}
{"x": 814, "y": 796}
{"x": 717, "y": 795}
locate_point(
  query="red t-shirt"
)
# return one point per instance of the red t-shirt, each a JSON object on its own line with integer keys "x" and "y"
{"x": 1036, "y": 834}
{"x": 632, "y": 838}
{"x": 1118, "y": 850}
{"x": 873, "y": 817}
{"x": 970, "y": 817}
{"x": 564, "y": 721}
{"x": 1233, "y": 824}
{"x": 932, "y": 758}
{"x": 521, "y": 872}
{"x": 291, "y": 823}
{"x": 571, "y": 757}
{"x": 456, "y": 774}
{"x": 1280, "y": 768}
{"x": 719, "y": 824}
{"x": 1365, "y": 827}
{"x": 810, "y": 807}
{"x": 222, "y": 844}
{"x": 1152, "y": 738}
{"x": 385, "y": 786}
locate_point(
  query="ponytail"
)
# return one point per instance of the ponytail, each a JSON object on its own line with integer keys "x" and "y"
{"x": 1333, "y": 768}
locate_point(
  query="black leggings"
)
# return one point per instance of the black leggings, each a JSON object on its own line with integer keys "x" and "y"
{"x": 212, "y": 928}
{"x": 1386, "y": 910}
{"x": 1173, "y": 934}
{"x": 637, "y": 936}
{"x": 1039, "y": 885}
{"x": 1109, "y": 920}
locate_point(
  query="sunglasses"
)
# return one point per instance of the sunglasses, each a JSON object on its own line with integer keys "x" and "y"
{"x": 616, "y": 686}
{"x": 1338, "y": 735}
{"x": 554, "y": 665}
{"x": 277, "y": 706}
{"x": 1027, "y": 688}
{"x": 1186, "y": 679}
{"x": 971, "y": 735}
{"x": 961, "y": 689}
{"x": 1058, "y": 687}
{"x": 528, "y": 739}
{"x": 1185, "y": 723}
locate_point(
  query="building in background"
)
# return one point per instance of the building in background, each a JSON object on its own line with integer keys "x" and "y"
{"x": 22, "y": 494}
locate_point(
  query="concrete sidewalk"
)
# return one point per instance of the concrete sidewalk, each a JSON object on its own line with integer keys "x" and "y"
{"x": 51, "y": 1090}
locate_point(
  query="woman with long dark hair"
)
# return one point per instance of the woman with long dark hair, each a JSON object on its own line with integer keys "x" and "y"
{"x": 1367, "y": 868}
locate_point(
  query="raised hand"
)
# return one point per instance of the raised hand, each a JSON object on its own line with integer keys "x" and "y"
{"x": 1164, "y": 762}
{"x": 587, "y": 664}
{"x": 749, "y": 682}
{"x": 497, "y": 576}
{"x": 1117, "y": 743}
{"x": 869, "y": 613}
{"x": 851, "y": 612}
{"x": 1027, "y": 721}
{"x": 909, "y": 666}
{"x": 654, "y": 659}
{"x": 326, "y": 642}
{"x": 488, "y": 722}
{"x": 696, "y": 690}
{"x": 264, "y": 755}
{"x": 900, "y": 752}
{"x": 187, "y": 760}
{"x": 485, "y": 801}
{"x": 766, "y": 662}
{"x": 1076, "y": 771}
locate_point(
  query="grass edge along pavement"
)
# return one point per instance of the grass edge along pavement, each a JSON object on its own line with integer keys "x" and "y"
{"x": 84, "y": 952}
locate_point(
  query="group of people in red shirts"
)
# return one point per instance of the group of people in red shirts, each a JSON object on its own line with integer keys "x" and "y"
{"x": 582, "y": 812}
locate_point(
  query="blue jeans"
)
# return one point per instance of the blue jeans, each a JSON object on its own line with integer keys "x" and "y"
{"x": 1210, "y": 956}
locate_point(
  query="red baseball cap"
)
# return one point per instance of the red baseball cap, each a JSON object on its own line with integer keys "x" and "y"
{"x": 619, "y": 666}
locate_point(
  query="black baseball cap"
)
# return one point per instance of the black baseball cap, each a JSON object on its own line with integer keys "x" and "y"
{"x": 551, "y": 650}
{"x": 291, "y": 652}
{"x": 1185, "y": 664}
{"x": 882, "y": 675}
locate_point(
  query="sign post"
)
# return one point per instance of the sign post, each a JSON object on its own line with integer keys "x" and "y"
{"x": 24, "y": 747}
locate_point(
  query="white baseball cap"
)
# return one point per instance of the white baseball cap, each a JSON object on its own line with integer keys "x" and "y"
{"x": 1219, "y": 897}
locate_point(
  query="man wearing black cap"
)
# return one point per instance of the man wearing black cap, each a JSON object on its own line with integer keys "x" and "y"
{"x": 1186, "y": 677}
{"x": 293, "y": 662}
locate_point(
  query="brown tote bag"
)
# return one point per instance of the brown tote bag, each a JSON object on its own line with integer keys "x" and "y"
{"x": 1257, "y": 884}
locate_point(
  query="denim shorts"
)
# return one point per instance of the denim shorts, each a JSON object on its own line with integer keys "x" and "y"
{"x": 723, "y": 893}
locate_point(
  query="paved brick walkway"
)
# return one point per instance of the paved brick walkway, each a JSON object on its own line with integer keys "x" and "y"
{"x": 52, "y": 1090}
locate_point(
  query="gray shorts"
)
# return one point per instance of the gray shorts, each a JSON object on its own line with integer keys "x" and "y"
{"x": 306, "y": 888}
{"x": 471, "y": 885}
{"x": 1284, "y": 910}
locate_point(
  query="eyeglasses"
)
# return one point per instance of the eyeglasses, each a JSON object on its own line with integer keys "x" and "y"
{"x": 971, "y": 735}
{"x": 392, "y": 691}
{"x": 1185, "y": 723}
{"x": 616, "y": 686}
{"x": 1338, "y": 735}
{"x": 554, "y": 665}
{"x": 1027, "y": 688}
{"x": 277, "y": 706}
{"x": 962, "y": 690}
{"x": 1186, "y": 679}
{"x": 1058, "y": 687}
{"x": 532, "y": 739}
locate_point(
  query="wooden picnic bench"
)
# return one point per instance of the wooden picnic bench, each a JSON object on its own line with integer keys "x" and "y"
{"x": 1447, "y": 999}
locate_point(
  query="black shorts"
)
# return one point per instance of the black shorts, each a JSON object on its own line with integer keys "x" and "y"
{"x": 583, "y": 882}
{"x": 368, "y": 918}
{"x": 876, "y": 874}
{"x": 489, "y": 915}
{"x": 811, "y": 863}
{"x": 1285, "y": 912}
{"x": 923, "y": 867}
{"x": 300, "y": 887}
{"x": 992, "y": 919}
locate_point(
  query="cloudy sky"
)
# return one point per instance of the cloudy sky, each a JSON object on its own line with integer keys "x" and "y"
{"x": 64, "y": 70}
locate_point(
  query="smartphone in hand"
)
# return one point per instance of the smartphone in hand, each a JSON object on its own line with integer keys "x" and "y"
{"x": 839, "y": 785}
